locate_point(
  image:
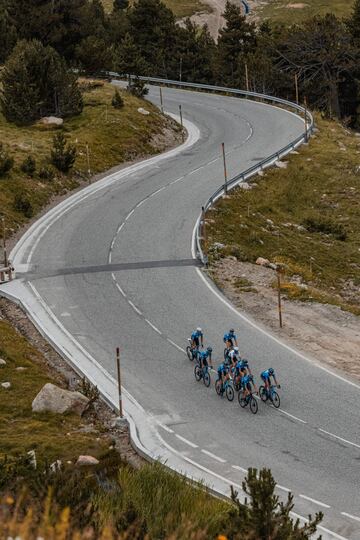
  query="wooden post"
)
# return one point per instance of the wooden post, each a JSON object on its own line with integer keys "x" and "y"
{"x": 225, "y": 170}
{"x": 119, "y": 381}
{"x": 296, "y": 88}
{"x": 88, "y": 161}
{"x": 182, "y": 124}
{"x": 247, "y": 76}
{"x": 161, "y": 100}
{"x": 305, "y": 119}
{"x": 180, "y": 70}
{"x": 278, "y": 271}
{"x": 4, "y": 243}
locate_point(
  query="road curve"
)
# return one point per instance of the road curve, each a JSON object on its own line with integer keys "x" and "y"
{"x": 117, "y": 269}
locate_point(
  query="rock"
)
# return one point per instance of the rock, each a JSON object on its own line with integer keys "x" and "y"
{"x": 56, "y": 466}
{"x": 20, "y": 368}
{"x": 143, "y": 111}
{"x": 51, "y": 398}
{"x": 2, "y": 362}
{"x": 245, "y": 185}
{"x": 270, "y": 221}
{"x": 51, "y": 121}
{"x": 281, "y": 164}
{"x": 218, "y": 245}
{"x": 86, "y": 460}
{"x": 272, "y": 265}
{"x": 6, "y": 385}
{"x": 262, "y": 262}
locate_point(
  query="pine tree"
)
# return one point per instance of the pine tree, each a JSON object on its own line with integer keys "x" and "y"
{"x": 94, "y": 55}
{"x": 63, "y": 155}
{"x": 354, "y": 22}
{"x": 119, "y": 5}
{"x": 8, "y": 33}
{"x": 128, "y": 58}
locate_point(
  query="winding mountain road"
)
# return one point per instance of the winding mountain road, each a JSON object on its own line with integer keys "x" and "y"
{"x": 117, "y": 269}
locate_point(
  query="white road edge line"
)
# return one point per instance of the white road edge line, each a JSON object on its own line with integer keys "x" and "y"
{"x": 320, "y": 527}
{"x": 340, "y": 438}
{"x": 350, "y": 516}
{"x": 314, "y": 501}
{"x": 292, "y": 416}
{"x": 214, "y": 456}
{"x": 153, "y": 326}
{"x": 238, "y": 468}
{"x": 186, "y": 441}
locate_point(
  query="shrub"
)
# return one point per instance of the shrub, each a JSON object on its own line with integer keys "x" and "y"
{"x": 28, "y": 166}
{"x": 138, "y": 88}
{"x": 326, "y": 226}
{"x": 22, "y": 204}
{"x": 117, "y": 101}
{"x": 46, "y": 173}
{"x": 63, "y": 155}
{"x": 6, "y": 162}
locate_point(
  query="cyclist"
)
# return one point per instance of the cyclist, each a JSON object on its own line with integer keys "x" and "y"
{"x": 204, "y": 358}
{"x": 223, "y": 374}
{"x": 197, "y": 338}
{"x": 241, "y": 370}
{"x": 246, "y": 382}
{"x": 266, "y": 377}
{"x": 230, "y": 339}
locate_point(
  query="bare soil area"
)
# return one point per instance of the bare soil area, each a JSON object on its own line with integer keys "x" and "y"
{"x": 324, "y": 332}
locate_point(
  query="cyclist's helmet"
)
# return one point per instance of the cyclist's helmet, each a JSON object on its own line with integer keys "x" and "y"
{"x": 209, "y": 349}
{"x": 232, "y": 331}
{"x": 271, "y": 371}
{"x": 236, "y": 349}
{"x": 245, "y": 362}
{"x": 198, "y": 329}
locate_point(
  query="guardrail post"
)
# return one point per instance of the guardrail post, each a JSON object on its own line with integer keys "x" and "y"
{"x": 296, "y": 88}
{"x": 305, "y": 120}
{"x": 225, "y": 170}
{"x": 181, "y": 121}
{"x": 119, "y": 381}
{"x": 161, "y": 100}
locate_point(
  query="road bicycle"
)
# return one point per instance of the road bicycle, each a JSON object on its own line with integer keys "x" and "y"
{"x": 270, "y": 394}
{"x": 203, "y": 373}
{"x": 225, "y": 388}
{"x": 248, "y": 400}
{"x": 192, "y": 352}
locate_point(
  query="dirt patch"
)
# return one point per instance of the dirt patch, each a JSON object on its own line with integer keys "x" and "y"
{"x": 297, "y": 6}
{"x": 325, "y": 332}
{"x": 62, "y": 375}
{"x": 214, "y": 19}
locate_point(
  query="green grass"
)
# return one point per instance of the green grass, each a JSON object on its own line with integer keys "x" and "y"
{"x": 180, "y": 8}
{"x": 51, "y": 436}
{"x": 113, "y": 136}
{"x": 279, "y": 10}
{"x": 306, "y": 216}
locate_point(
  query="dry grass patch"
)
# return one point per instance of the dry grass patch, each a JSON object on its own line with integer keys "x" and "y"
{"x": 287, "y": 12}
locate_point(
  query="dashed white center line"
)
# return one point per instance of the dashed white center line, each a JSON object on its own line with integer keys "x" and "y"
{"x": 236, "y": 467}
{"x": 110, "y": 257}
{"x": 350, "y": 516}
{"x": 175, "y": 345}
{"x": 283, "y": 488}
{"x": 314, "y": 501}
{"x": 339, "y": 438}
{"x": 186, "y": 441}
{"x": 214, "y": 456}
{"x": 134, "y": 307}
{"x": 130, "y": 214}
{"x": 120, "y": 289}
{"x": 140, "y": 203}
{"x": 153, "y": 326}
{"x": 169, "y": 430}
{"x": 292, "y": 416}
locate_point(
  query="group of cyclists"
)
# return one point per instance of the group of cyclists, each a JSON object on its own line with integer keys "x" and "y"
{"x": 233, "y": 367}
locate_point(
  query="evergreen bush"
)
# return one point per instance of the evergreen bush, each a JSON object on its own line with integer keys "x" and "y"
{"x": 117, "y": 101}
{"x": 28, "y": 166}
{"x": 6, "y": 161}
{"x": 63, "y": 155}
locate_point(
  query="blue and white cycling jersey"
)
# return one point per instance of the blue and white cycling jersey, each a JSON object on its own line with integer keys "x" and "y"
{"x": 229, "y": 337}
{"x": 265, "y": 375}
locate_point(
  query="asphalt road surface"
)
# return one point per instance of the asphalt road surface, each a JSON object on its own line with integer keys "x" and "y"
{"x": 149, "y": 308}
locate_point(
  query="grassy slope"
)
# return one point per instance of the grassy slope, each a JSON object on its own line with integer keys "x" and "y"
{"x": 113, "y": 136}
{"x": 321, "y": 183}
{"x": 279, "y": 10}
{"x": 180, "y": 8}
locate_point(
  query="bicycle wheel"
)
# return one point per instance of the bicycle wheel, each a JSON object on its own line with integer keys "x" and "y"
{"x": 206, "y": 379}
{"x": 242, "y": 401}
{"x": 275, "y": 398}
{"x": 236, "y": 384}
{"x": 189, "y": 353}
{"x": 263, "y": 394}
{"x": 253, "y": 405}
{"x": 230, "y": 392}
{"x": 218, "y": 387}
{"x": 197, "y": 373}
{"x": 225, "y": 352}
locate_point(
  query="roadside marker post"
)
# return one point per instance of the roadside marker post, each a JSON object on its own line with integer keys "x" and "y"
{"x": 161, "y": 100}
{"x": 247, "y": 76}
{"x": 119, "y": 381}
{"x": 225, "y": 170}
{"x": 305, "y": 119}
{"x": 4, "y": 242}
{"x": 296, "y": 88}
{"x": 182, "y": 124}
{"x": 278, "y": 272}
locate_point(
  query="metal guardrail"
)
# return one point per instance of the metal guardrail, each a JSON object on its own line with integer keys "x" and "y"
{"x": 251, "y": 171}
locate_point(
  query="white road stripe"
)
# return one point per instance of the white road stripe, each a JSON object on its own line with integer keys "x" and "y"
{"x": 350, "y": 516}
{"x": 120, "y": 227}
{"x": 283, "y": 488}
{"x": 314, "y": 501}
{"x": 120, "y": 289}
{"x": 320, "y": 527}
{"x": 210, "y": 454}
{"x": 177, "y": 180}
{"x": 152, "y": 326}
{"x": 166, "y": 428}
{"x": 110, "y": 257}
{"x": 134, "y": 307}
{"x": 292, "y": 416}
{"x": 175, "y": 345}
{"x": 239, "y": 468}
{"x": 340, "y": 438}
{"x": 186, "y": 441}
{"x": 141, "y": 202}
{"x": 130, "y": 214}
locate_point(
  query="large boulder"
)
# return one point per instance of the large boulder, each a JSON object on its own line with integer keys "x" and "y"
{"x": 51, "y": 398}
{"x": 51, "y": 121}
{"x": 86, "y": 460}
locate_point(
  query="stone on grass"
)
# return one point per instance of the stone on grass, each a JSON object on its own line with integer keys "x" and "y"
{"x": 262, "y": 262}
{"x": 6, "y": 385}
{"x": 281, "y": 164}
{"x": 51, "y": 398}
{"x": 2, "y": 362}
{"x": 51, "y": 121}
{"x": 86, "y": 460}
{"x": 143, "y": 111}
{"x": 245, "y": 185}
{"x": 20, "y": 368}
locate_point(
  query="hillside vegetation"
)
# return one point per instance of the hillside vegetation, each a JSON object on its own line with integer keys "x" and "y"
{"x": 290, "y": 12}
